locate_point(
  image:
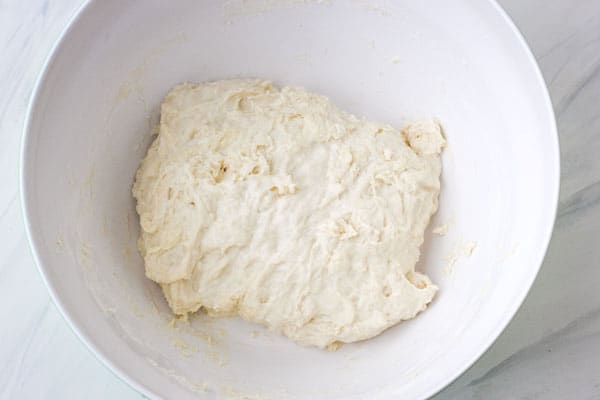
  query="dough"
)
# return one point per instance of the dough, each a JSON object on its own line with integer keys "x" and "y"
{"x": 276, "y": 206}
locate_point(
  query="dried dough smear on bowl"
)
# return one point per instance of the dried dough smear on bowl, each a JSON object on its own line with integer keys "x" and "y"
{"x": 276, "y": 206}
{"x": 88, "y": 130}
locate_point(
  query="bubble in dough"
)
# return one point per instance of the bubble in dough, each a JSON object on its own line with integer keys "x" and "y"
{"x": 278, "y": 207}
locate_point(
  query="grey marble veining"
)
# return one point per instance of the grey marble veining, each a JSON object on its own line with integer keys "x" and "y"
{"x": 551, "y": 350}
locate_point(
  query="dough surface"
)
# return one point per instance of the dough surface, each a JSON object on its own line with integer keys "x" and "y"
{"x": 276, "y": 206}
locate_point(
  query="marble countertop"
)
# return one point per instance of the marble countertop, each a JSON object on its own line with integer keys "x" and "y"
{"x": 551, "y": 349}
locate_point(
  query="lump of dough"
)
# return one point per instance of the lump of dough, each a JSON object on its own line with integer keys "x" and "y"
{"x": 276, "y": 206}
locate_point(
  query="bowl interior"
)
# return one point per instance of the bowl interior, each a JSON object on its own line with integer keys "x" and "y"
{"x": 459, "y": 61}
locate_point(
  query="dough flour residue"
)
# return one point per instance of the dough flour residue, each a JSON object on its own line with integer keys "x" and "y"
{"x": 276, "y": 206}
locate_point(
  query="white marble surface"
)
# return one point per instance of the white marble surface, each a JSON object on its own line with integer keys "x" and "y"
{"x": 551, "y": 350}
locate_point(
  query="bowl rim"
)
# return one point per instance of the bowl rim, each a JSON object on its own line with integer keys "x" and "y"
{"x": 140, "y": 387}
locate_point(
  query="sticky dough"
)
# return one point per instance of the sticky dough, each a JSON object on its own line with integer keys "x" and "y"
{"x": 276, "y": 206}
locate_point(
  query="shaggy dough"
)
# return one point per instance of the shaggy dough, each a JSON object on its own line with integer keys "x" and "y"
{"x": 276, "y": 206}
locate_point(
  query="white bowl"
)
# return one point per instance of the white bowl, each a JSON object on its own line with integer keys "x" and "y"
{"x": 462, "y": 62}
